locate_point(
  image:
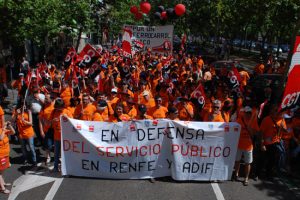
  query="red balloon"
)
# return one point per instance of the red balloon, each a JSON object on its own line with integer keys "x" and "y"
{"x": 164, "y": 15}
{"x": 145, "y": 7}
{"x": 179, "y": 9}
{"x": 134, "y": 9}
{"x": 138, "y": 16}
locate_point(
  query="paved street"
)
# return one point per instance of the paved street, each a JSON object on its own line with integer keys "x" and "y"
{"x": 43, "y": 184}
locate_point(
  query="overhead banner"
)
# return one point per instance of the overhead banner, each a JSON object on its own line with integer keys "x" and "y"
{"x": 149, "y": 148}
{"x": 158, "y": 38}
{"x": 292, "y": 89}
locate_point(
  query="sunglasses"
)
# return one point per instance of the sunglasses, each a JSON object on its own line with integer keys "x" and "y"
{"x": 216, "y": 107}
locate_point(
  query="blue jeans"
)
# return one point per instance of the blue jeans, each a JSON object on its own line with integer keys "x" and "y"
{"x": 30, "y": 143}
{"x": 56, "y": 153}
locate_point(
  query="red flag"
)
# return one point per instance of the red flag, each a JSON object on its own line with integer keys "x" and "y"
{"x": 126, "y": 43}
{"x": 199, "y": 94}
{"x": 235, "y": 80}
{"x": 292, "y": 89}
{"x": 68, "y": 59}
{"x": 88, "y": 56}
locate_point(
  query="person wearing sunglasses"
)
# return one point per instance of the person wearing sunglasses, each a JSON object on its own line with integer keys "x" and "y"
{"x": 216, "y": 114}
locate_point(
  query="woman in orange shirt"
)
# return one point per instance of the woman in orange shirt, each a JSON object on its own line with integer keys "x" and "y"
{"x": 26, "y": 133}
{"x": 4, "y": 154}
{"x": 119, "y": 115}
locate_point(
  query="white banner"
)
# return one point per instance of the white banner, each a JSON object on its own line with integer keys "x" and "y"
{"x": 149, "y": 148}
{"x": 158, "y": 38}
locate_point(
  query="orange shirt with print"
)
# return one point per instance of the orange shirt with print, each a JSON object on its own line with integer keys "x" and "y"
{"x": 4, "y": 143}
{"x": 269, "y": 130}
{"x": 86, "y": 113}
{"x": 25, "y": 131}
{"x": 56, "y": 121}
{"x": 45, "y": 116}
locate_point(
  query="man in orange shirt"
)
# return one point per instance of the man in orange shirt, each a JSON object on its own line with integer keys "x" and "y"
{"x": 147, "y": 100}
{"x": 59, "y": 109}
{"x": 245, "y": 146}
{"x": 159, "y": 111}
{"x": 86, "y": 110}
{"x": 216, "y": 115}
{"x": 272, "y": 128}
{"x": 185, "y": 109}
{"x": 45, "y": 117}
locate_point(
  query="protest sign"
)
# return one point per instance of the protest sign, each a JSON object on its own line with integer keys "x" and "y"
{"x": 149, "y": 148}
{"x": 158, "y": 38}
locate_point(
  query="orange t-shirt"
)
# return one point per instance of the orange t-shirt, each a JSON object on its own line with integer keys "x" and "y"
{"x": 245, "y": 142}
{"x": 4, "y": 144}
{"x": 158, "y": 113}
{"x": 132, "y": 113}
{"x": 66, "y": 95}
{"x": 25, "y": 131}
{"x": 269, "y": 130}
{"x": 56, "y": 121}
{"x": 45, "y": 116}
{"x": 97, "y": 117}
{"x": 214, "y": 118}
{"x": 123, "y": 117}
{"x": 85, "y": 113}
{"x": 245, "y": 77}
{"x": 149, "y": 104}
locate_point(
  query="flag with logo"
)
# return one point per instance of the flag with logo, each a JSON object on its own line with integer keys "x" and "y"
{"x": 292, "y": 89}
{"x": 126, "y": 43}
{"x": 87, "y": 56}
{"x": 69, "y": 57}
{"x": 198, "y": 96}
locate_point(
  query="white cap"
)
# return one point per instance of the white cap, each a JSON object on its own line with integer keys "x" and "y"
{"x": 21, "y": 74}
{"x": 145, "y": 93}
{"x": 287, "y": 116}
{"x": 114, "y": 90}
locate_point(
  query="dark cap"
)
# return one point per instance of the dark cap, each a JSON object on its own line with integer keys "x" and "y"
{"x": 157, "y": 97}
{"x": 59, "y": 103}
{"x": 172, "y": 110}
{"x": 102, "y": 103}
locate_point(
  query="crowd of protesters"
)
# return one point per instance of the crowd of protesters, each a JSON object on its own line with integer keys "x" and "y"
{"x": 150, "y": 86}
